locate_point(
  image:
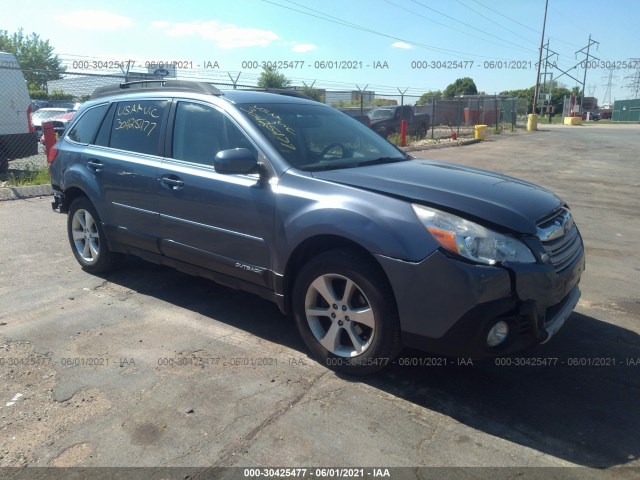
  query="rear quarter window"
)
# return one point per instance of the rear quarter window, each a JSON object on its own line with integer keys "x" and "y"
{"x": 86, "y": 127}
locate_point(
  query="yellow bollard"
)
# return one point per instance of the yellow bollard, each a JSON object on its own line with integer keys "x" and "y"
{"x": 532, "y": 122}
{"x": 572, "y": 120}
{"x": 480, "y": 131}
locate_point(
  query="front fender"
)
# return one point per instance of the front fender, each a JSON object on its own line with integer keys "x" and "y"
{"x": 307, "y": 207}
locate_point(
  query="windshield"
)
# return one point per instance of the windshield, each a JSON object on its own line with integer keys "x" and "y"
{"x": 317, "y": 137}
{"x": 380, "y": 113}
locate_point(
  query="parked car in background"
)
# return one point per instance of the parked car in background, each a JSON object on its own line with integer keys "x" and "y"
{"x": 45, "y": 114}
{"x": 38, "y": 104}
{"x": 387, "y": 120}
{"x": 60, "y": 123}
{"x": 367, "y": 248}
{"x": 17, "y": 137}
{"x": 594, "y": 116}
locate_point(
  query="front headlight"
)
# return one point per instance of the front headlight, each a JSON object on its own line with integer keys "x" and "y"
{"x": 471, "y": 240}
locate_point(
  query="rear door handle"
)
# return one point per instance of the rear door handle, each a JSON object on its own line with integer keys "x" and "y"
{"x": 171, "y": 182}
{"x": 95, "y": 165}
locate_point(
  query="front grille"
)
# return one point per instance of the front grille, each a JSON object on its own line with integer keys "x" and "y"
{"x": 560, "y": 239}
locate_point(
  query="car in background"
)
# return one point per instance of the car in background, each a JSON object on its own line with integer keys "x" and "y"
{"x": 60, "y": 123}
{"x": 388, "y": 120}
{"x": 38, "y": 104}
{"x": 45, "y": 114}
{"x": 595, "y": 116}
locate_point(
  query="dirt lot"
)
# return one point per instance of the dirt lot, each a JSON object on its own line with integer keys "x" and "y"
{"x": 150, "y": 367}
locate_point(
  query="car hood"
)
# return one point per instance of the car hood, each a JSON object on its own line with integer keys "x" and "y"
{"x": 505, "y": 201}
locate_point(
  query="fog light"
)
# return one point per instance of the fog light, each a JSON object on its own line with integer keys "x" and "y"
{"x": 498, "y": 334}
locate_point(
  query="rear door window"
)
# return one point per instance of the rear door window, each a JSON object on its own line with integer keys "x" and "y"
{"x": 136, "y": 126}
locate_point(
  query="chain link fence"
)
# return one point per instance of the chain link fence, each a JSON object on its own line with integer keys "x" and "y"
{"x": 22, "y": 113}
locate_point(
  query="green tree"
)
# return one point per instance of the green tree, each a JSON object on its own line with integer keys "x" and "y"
{"x": 462, "y": 86}
{"x": 271, "y": 78}
{"x": 35, "y": 57}
{"x": 425, "y": 97}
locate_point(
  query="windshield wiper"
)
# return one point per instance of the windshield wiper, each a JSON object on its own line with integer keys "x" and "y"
{"x": 317, "y": 167}
{"x": 381, "y": 160}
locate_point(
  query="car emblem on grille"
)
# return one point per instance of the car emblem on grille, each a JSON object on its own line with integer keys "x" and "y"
{"x": 562, "y": 223}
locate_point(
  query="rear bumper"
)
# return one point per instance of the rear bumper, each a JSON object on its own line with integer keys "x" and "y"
{"x": 58, "y": 204}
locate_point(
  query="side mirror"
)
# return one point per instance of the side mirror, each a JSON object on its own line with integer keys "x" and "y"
{"x": 236, "y": 160}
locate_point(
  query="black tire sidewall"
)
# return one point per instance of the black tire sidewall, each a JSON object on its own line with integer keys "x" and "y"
{"x": 355, "y": 266}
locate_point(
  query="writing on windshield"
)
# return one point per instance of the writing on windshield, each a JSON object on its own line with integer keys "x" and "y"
{"x": 273, "y": 123}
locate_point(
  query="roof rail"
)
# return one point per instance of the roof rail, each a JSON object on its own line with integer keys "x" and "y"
{"x": 156, "y": 85}
{"x": 285, "y": 92}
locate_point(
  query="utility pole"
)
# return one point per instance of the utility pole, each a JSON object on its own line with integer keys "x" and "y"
{"x": 535, "y": 93}
{"x": 608, "y": 85}
{"x": 634, "y": 85}
{"x": 586, "y": 67}
{"x": 544, "y": 83}
{"x": 550, "y": 53}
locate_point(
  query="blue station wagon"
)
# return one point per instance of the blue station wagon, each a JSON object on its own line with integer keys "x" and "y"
{"x": 367, "y": 248}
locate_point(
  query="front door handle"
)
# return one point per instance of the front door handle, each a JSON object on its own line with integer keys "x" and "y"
{"x": 172, "y": 182}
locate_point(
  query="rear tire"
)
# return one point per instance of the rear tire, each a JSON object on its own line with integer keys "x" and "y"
{"x": 346, "y": 312}
{"x": 87, "y": 238}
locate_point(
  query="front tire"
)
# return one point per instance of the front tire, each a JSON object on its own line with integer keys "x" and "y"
{"x": 346, "y": 313}
{"x": 87, "y": 238}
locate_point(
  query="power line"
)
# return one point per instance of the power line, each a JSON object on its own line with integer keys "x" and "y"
{"x": 450, "y": 27}
{"x": 469, "y": 26}
{"x": 509, "y": 30}
{"x": 329, "y": 18}
{"x": 519, "y": 23}
{"x": 493, "y": 21}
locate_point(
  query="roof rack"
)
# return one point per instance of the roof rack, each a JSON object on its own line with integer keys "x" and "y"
{"x": 285, "y": 92}
{"x": 156, "y": 85}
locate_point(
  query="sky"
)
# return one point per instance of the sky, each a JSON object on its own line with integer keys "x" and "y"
{"x": 389, "y": 45}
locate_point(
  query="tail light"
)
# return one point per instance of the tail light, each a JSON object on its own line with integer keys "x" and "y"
{"x": 51, "y": 155}
{"x": 31, "y": 127}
